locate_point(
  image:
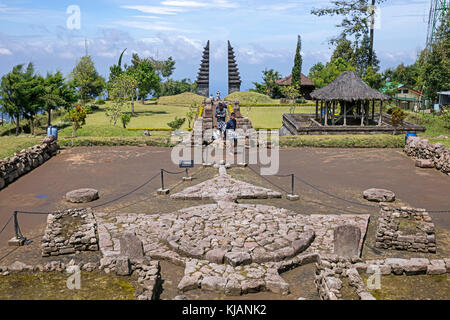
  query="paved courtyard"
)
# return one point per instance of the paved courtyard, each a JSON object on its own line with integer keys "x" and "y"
{"x": 201, "y": 232}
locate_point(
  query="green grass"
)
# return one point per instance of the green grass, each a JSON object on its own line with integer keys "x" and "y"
{"x": 10, "y": 145}
{"x": 52, "y": 286}
{"x": 146, "y": 117}
{"x": 184, "y": 99}
{"x": 153, "y": 141}
{"x": 247, "y": 97}
{"x": 436, "y": 125}
{"x": 344, "y": 141}
{"x": 271, "y": 117}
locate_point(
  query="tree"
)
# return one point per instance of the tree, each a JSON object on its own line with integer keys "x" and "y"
{"x": 292, "y": 93}
{"x": 87, "y": 80}
{"x": 124, "y": 87}
{"x": 323, "y": 75}
{"x": 77, "y": 116}
{"x": 373, "y": 79}
{"x": 343, "y": 50}
{"x": 397, "y": 117}
{"x": 173, "y": 87}
{"x": 358, "y": 22}
{"x": 435, "y": 70}
{"x": 57, "y": 93}
{"x": 269, "y": 85}
{"x": 146, "y": 77}
{"x": 20, "y": 93}
{"x": 297, "y": 69}
{"x": 122, "y": 90}
{"x": 190, "y": 115}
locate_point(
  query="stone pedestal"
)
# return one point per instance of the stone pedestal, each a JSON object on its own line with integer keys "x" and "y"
{"x": 163, "y": 192}
{"x": 16, "y": 242}
{"x": 293, "y": 197}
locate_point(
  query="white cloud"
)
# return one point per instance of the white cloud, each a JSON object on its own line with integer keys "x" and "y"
{"x": 5, "y": 52}
{"x": 194, "y": 4}
{"x": 145, "y": 26}
{"x": 155, "y": 10}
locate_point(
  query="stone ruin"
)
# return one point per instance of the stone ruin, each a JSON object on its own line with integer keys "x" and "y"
{"x": 428, "y": 155}
{"x": 26, "y": 160}
{"x": 419, "y": 236}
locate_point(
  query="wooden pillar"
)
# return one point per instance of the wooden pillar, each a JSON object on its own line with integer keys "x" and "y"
{"x": 334, "y": 113}
{"x": 321, "y": 110}
{"x": 317, "y": 109}
{"x": 345, "y": 113}
{"x": 373, "y": 110}
{"x": 381, "y": 113}
{"x": 326, "y": 113}
{"x": 362, "y": 113}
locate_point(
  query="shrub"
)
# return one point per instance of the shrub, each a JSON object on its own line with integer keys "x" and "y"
{"x": 100, "y": 102}
{"x": 125, "y": 118}
{"x": 177, "y": 123}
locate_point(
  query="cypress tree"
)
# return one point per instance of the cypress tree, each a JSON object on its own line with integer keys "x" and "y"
{"x": 297, "y": 70}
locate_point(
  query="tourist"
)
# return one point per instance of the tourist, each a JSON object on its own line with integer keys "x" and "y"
{"x": 221, "y": 114}
{"x": 230, "y": 129}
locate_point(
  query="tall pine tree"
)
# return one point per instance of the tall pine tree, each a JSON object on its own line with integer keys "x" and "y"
{"x": 297, "y": 70}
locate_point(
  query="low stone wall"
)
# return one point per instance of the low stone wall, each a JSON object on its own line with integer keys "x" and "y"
{"x": 147, "y": 270}
{"x": 422, "y": 239}
{"x": 432, "y": 155}
{"x": 26, "y": 160}
{"x": 70, "y": 231}
{"x": 409, "y": 267}
{"x": 331, "y": 269}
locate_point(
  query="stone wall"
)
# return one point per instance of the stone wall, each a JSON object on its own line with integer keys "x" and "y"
{"x": 409, "y": 267}
{"x": 70, "y": 231}
{"x": 26, "y": 160}
{"x": 389, "y": 235}
{"x": 428, "y": 154}
{"x": 331, "y": 270}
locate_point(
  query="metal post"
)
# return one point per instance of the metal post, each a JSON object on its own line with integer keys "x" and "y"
{"x": 293, "y": 183}
{"x": 16, "y": 225}
{"x": 162, "y": 179}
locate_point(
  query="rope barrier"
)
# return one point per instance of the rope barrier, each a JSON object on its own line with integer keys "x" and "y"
{"x": 284, "y": 190}
{"x": 4, "y": 227}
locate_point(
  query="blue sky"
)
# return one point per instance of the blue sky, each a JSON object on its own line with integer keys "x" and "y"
{"x": 263, "y": 33}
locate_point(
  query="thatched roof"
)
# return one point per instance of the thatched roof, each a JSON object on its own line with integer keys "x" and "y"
{"x": 288, "y": 81}
{"x": 348, "y": 87}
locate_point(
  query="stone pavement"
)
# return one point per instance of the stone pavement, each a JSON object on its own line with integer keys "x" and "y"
{"x": 228, "y": 247}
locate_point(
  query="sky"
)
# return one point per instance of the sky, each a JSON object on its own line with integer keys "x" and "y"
{"x": 262, "y": 32}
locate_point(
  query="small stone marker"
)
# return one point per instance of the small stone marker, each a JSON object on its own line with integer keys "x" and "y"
{"x": 82, "y": 195}
{"x": 163, "y": 192}
{"x": 131, "y": 246}
{"x": 123, "y": 267}
{"x": 379, "y": 195}
{"x": 346, "y": 240}
{"x": 424, "y": 163}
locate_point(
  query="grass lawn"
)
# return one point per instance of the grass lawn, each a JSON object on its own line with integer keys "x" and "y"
{"x": 147, "y": 116}
{"x": 271, "y": 117}
{"x": 345, "y": 141}
{"x": 10, "y": 145}
{"x": 247, "y": 97}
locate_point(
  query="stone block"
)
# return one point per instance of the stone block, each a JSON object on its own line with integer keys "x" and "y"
{"x": 347, "y": 240}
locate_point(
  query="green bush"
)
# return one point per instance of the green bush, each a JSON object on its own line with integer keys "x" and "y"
{"x": 177, "y": 123}
{"x": 100, "y": 102}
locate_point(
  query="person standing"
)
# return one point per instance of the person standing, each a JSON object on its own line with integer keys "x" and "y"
{"x": 231, "y": 127}
{"x": 221, "y": 114}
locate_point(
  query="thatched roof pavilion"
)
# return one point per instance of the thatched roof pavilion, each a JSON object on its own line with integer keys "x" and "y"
{"x": 350, "y": 92}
